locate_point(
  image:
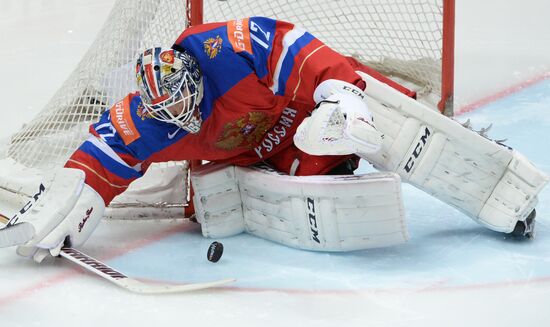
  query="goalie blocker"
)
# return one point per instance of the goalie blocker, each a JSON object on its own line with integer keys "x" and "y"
{"x": 321, "y": 213}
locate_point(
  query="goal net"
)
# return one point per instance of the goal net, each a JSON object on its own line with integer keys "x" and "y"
{"x": 403, "y": 39}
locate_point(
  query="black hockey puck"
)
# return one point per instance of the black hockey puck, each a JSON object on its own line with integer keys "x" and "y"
{"x": 215, "y": 251}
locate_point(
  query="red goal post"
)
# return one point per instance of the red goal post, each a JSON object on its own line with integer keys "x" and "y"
{"x": 445, "y": 104}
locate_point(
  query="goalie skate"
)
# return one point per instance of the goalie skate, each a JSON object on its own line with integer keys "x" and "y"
{"x": 525, "y": 228}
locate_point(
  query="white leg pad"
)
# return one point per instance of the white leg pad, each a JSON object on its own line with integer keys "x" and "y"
{"x": 492, "y": 184}
{"x": 217, "y": 200}
{"x": 321, "y": 213}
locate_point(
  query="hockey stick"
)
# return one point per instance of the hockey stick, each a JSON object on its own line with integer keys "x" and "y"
{"x": 120, "y": 279}
{"x": 131, "y": 284}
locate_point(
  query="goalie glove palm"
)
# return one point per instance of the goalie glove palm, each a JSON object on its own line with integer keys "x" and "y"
{"x": 340, "y": 125}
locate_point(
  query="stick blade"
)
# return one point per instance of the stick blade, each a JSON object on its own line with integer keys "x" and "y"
{"x": 131, "y": 284}
{"x": 137, "y": 286}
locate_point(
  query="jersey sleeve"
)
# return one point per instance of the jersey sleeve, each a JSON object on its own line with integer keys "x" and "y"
{"x": 117, "y": 151}
{"x": 288, "y": 59}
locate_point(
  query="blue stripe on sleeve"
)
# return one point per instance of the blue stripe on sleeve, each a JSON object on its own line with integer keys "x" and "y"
{"x": 110, "y": 164}
{"x": 289, "y": 60}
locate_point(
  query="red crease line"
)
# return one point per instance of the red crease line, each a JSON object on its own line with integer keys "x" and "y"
{"x": 499, "y": 95}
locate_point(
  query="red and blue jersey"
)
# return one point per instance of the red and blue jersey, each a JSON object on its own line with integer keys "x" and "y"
{"x": 259, "y": 77}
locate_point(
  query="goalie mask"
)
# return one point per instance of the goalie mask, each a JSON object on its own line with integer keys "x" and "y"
{"x": 170, "y": 85}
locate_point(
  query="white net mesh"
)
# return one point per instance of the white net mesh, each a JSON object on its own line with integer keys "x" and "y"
{"x": 104, "y": 76}
{"x": 401, "y": 38}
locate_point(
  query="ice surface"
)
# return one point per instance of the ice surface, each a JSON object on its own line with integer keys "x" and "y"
{"x": 453, "y": 272}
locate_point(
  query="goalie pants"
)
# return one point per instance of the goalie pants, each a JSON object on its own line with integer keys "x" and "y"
{"x": 293, "y": 161}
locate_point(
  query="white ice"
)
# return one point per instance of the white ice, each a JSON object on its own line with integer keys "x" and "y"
{"x": 453, "y": 272}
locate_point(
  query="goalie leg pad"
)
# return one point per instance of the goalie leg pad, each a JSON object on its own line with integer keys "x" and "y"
{"x": 321, "y": 213}
{"x": 217, "y": 200}
{"x": 492, "y": 184}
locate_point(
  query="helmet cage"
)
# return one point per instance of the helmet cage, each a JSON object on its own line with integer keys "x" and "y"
{"x": 186, "y": 91}
{"x": 167, "y": 78}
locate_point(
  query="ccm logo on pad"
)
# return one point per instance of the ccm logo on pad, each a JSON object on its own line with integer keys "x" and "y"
{"x": 312, "y": 218}
{"x": 417, "y": 151}
{"x": 27, "y": 206}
